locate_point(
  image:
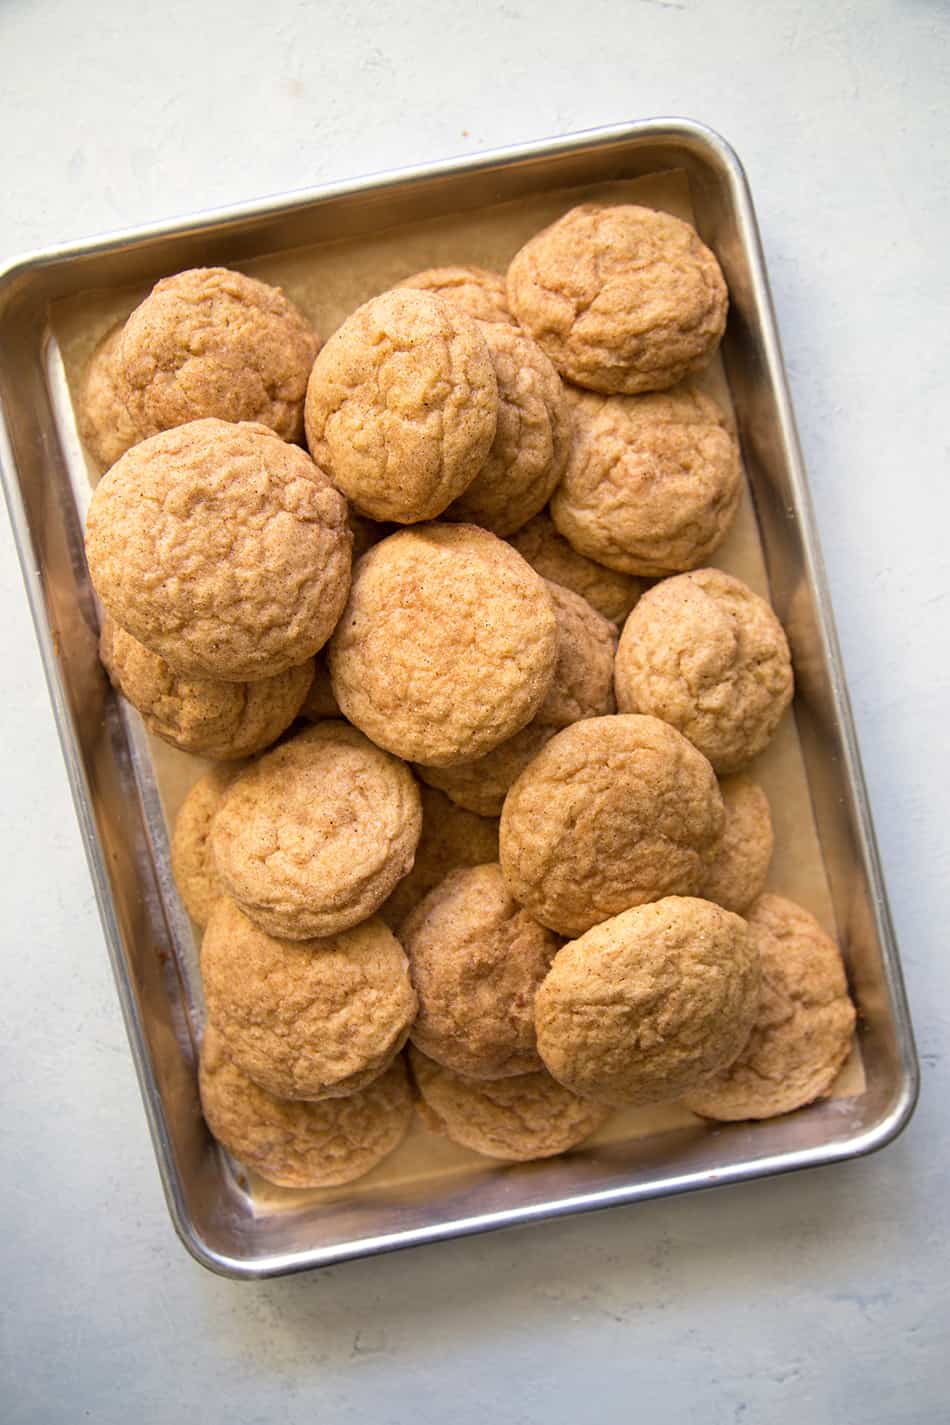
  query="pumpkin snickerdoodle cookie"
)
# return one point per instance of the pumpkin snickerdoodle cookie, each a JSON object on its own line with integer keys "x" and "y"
{"x": 476, "y": 958}
{"x": 192, "y": 867}
{"x": 221, "y": 548}
{"x": 306, "y": 1019}
{"x": 451, "y": 838}
{"x": 401, "y": 406}
{"x": 314, "y": 835}
{"x": 547, "y": 551}
{"x": 517, "y": 1119}
{"x": 707, "y": 655}
{"x": 648, "y": 1004}
{"x": 622, "y": 298}
{"x": 297, "y": 1144}
{"x": 447, "y": 646}
{"x": 613, "y": 812}
{"x": 803, "y": 1028}
{"x": 474, "y": 290}
{"x": 738, "y": 872}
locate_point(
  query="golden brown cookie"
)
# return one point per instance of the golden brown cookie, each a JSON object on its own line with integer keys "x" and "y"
{"x": 707, "y": 655}
{"x": 401, "y": 406}
{"x": 447, "y": 645}
{"x": 802, "y": 1033}
{"x": 320, "y": 703}
{"x": 474, "y": 290}
{"x": 517, "y": 1119}
{"x": 308, "y": 1018}
{"x": 648, "y": 1004}
{"x": 739, "y": 871}
{"x": 302, "y": 1145}
{"x": 224, "y": 721}
{"x": 653, "y": 482}
{"x": 207, "y": 342}
{"x": 548, "y": 552}
{"x": 105, "y": 422}
{"x": 221, "y": 548}
{"x": 481, "y": 786}
{"x": 622, "y": 298}
{"x": 313, "y": 836}
{"x": 476, "y": 959}
{"x": 192, "y": 867}
{"x": 532, "y": 438}
{"x": 613, "y": 812}
{"x": 451, "y": 838}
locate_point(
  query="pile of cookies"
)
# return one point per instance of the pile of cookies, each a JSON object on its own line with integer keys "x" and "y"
{"x": 478, "y": 788}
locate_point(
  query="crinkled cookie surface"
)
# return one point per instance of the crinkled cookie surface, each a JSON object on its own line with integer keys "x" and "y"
{"x": 402, "y": 405}
{"x": 651, "y": 1002}
{"x": 476, "y": 291}
{"x": 296, "y": 1144}
{"x": 447, "y": 646}
{"x": 622, "y": 298}
{"x": 612, "y": 812}
{"x": 738, "y": 873}
{"x": 192, "y": 867}
{"x": 707, "y": 655}
{"x": 451, "y": 837}
{"x": 221, "y": 548}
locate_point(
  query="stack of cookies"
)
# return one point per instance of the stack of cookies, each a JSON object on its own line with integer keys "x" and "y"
{"x": 479, "y": 790}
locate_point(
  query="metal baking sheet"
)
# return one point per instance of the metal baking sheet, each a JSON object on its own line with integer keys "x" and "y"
{"x": 354, "y": 238}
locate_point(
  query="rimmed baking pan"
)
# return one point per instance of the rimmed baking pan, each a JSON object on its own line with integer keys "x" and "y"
{"x": 331, "y": 247}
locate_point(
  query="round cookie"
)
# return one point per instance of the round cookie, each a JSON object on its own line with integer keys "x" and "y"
{"x": 613, "y": 812}
{"x": 313, "y": 836}
{"x": 296, "y": 1144}
{"x": 221, "y": 548}
{"x": 739, "y": 871}
{"x": 451, "y": 838}
{"x": 802, "y": 1033}
{"x": 320, "y": 702}
{"x": 474, "y": 290}
{"x": 647, "y": 1005}
{"x": 622, "y": 298}
{"x": 549, "y": 553}
{"x": 653, "y": 482}
{"x": 105, "y": 422}
{"x": 707, "y": 655}
{"x": 204, "y": 716}
{"x": 447, "y": 645}
{"x": 517, "y": 1119}
{"x": 476, "y": 959}
{"x": 481, "y": 786}
{"x": 212, "y": 342}
{"x": 532, "y": 438}
{"x": 401, "y": 406}
{"x": 306, "y": 1019}
{"x": 192, "y": 867}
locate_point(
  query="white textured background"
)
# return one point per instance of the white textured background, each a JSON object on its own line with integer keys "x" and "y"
{"x": 822, "y": 1297}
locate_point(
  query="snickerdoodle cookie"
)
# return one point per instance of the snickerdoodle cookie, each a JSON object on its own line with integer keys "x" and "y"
{"x": 447, "y": 646}
{"x": 739, "y": 871}
{"x": 314, "y": 835}
{"x": 296, "y": 1144}
{"x": 207, "y": 342}
{"x": 532, "y": 437}
{"x": 476, "y": 959}
{"x": 517, "y": 1119}
{"x": 192, "y": 867}
{"x": 612, "y": 594}
{"x": 653, "y": 482}
{"x": 451, "y": 837}
{"x": 482, "y": 785}
{"x": 320, "y": 702}
{"x": 221, "y": 548}
{"x": 476, "y": 291}
{"x": 707, "y": 655}
{"x": 648, "y": 1004}
{"x": 204, "y": 716}
{"x": 613, "y": 812}
{"x": 582, "y": 687}
{"x": 309, "y": 1018}
{"x": 802, "y": 1033}
{"x": 622, "y": 298}
{"x": 402, "y": 404}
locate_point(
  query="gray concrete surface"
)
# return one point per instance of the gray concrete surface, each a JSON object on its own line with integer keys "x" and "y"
{"x": 824, "y": 1297}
